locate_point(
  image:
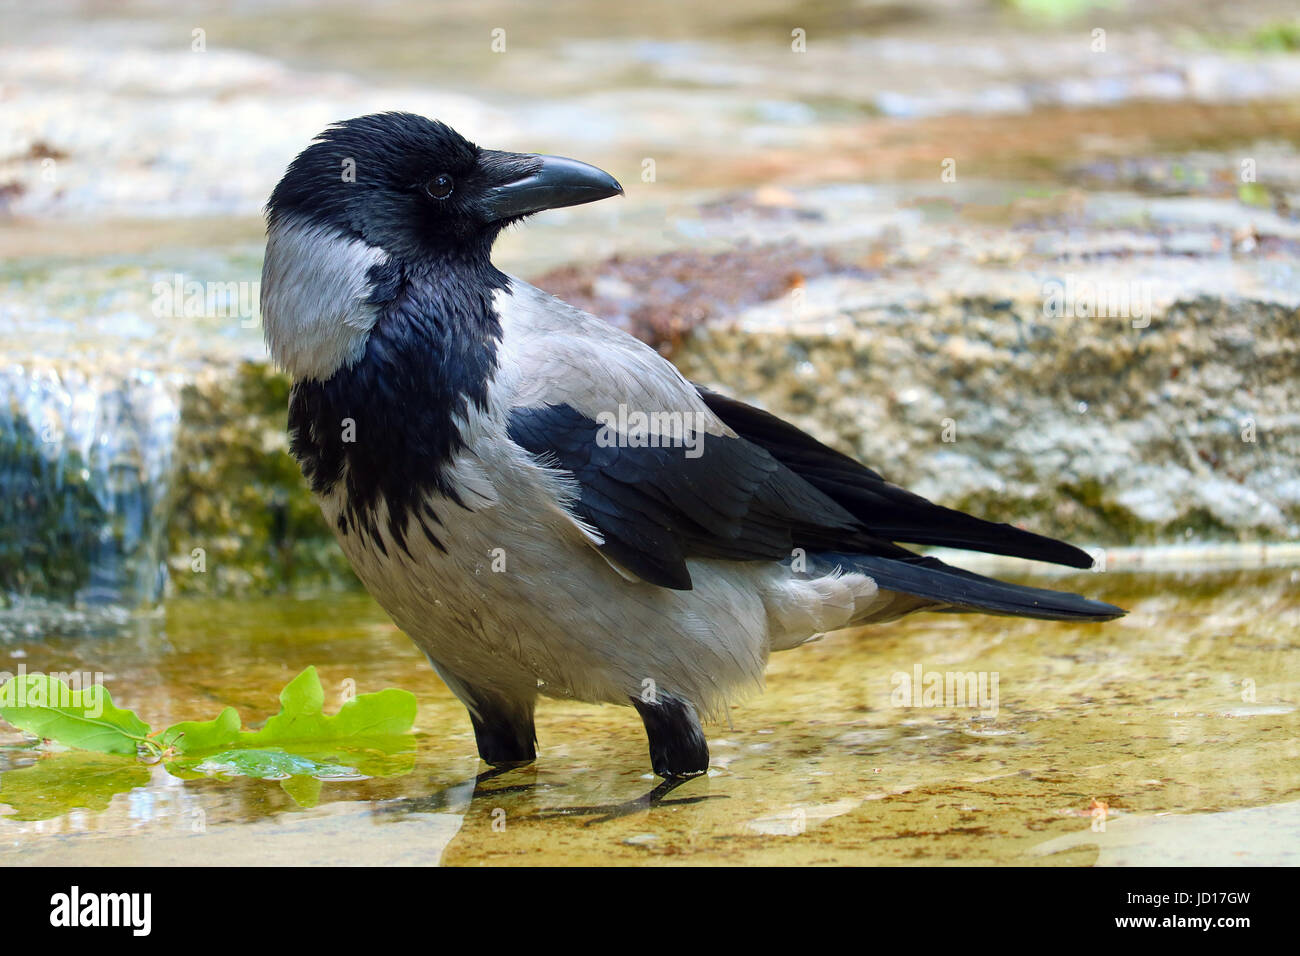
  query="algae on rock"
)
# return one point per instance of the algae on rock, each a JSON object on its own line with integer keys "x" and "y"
{"x": 243, "y": 519}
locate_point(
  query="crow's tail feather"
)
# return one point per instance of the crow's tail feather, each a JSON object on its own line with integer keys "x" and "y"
{"x": 961, "y": 590}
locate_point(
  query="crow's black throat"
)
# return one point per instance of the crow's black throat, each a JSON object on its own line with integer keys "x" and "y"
{"x": 385, "y": 426}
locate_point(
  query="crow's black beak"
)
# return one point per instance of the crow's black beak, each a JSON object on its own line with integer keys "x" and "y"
{"x": 556, "y": 182}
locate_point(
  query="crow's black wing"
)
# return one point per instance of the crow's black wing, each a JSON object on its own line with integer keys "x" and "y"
{"x": 885, "y": 510}
{"x": 658, "y": 504}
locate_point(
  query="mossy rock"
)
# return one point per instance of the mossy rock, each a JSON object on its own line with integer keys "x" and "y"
{"x": 243, "y": 519}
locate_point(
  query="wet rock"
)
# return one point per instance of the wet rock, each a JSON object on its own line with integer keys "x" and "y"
{"x": 144, "y": 120}
{"x": 243, "y": 519}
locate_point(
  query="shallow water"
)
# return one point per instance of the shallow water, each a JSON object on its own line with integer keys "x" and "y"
{"x": 1151, "y": 715}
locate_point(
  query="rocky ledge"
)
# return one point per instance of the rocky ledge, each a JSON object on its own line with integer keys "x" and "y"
{"x": 1110, "y": 368}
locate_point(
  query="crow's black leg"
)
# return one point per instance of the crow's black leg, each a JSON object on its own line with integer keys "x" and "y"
{"x": 504, "y": 732}
{"x": 677, "y": 745}
{"x": 503, "y": 725}
{"x": 503, "y": 728}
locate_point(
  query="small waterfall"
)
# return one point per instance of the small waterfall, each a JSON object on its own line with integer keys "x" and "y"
{"x": 84, "y": 465}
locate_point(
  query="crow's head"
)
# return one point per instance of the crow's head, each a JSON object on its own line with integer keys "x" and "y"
{"x": 380, "y": 195}
{"x": 412, "y": 186}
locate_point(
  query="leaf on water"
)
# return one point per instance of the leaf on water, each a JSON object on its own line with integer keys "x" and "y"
{"x": 196, "y": 736}
{"x": 53, "y": 786}
{"x": 86, "y": 719}
{"x": 300, "y": 746}
{"x": 301, "y": 720}
{"x": 370, "y": 736}
{"x": 379, "y": 721}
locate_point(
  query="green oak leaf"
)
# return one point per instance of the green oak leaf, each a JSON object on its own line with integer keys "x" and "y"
{"x": 85, "y": 719}
{"x": 53, "y": 786}
{"x": 196, "y": 736}
{"x": 300, "y": 746}
{"x": 369, "y": 737}
{"x": 302, "y": 721}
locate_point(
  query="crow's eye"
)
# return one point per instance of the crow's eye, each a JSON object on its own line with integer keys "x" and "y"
{"x": 440, "y": 186}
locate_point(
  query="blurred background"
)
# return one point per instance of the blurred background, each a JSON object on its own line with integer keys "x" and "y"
{"x": 1035, "y": 259}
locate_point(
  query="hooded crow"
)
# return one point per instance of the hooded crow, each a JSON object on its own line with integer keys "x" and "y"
{"x": 543, "y": 502}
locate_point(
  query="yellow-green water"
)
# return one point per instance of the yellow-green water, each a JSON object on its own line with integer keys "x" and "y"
{"x": 1180, "y": 718}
